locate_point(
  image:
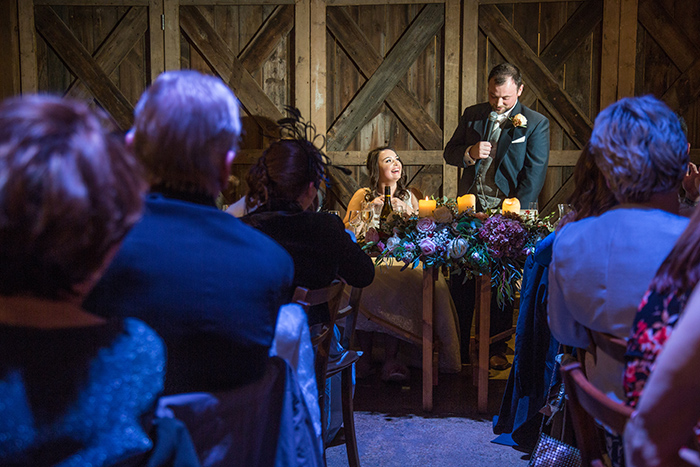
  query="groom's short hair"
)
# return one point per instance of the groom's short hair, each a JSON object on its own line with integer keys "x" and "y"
{"x": 501, "y": 73}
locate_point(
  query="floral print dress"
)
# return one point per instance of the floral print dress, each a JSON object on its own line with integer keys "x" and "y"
{"x": 656, "y": 317}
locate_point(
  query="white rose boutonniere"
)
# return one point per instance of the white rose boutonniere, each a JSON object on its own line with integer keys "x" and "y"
{"x": 519, "y": 121}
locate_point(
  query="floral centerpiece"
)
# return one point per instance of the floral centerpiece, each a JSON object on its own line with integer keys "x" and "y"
{"x": 468, "y": 242}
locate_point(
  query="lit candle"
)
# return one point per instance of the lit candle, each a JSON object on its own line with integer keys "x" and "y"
{"x": 511, "y": 205}
{"x": 426, "y": 207}
{"x": 466, "y": 202}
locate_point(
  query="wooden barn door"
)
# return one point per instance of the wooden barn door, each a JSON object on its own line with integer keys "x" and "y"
{"x": 385, "y": 73}
{"x": 254, "y": 48}
{"x": 557, "y": 46}
{"x": 85, "y": 49}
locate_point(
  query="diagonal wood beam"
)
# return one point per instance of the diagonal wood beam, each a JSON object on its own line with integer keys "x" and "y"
{"x": 541, "y": 80}
{"x": 115, "y": 48}
{"x": 278, "y": 25}
{"x": 667, "y": 33}
{"x": 82, "y": 65}
{"x": 574, "y": 33}
{"x": 379, "y": 86}
{"x": 220, "y": 57}
{"x": 367, "y": 59}
{"x": 685, "y": 90}
{"x": 569, "y": 38}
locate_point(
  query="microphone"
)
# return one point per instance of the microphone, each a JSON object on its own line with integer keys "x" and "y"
{"x": 493, "y": 118}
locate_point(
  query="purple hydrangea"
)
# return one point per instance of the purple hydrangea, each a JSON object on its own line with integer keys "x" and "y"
{"x": 504, "y": 237}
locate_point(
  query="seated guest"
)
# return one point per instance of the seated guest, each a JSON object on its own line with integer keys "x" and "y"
{"x": 602, "y": 265}
{"x": 669, "y": 407}
{"x": 283, "y": 185}
{"x": 76, "y": 389}
{"x": 661, "y": 308}
{"x": 209, "y": 284}
{"x": 529, "y": 380}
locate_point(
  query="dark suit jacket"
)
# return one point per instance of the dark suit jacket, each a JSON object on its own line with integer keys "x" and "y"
{"x": 207, "y": 283}
{"x": 521, "y": 164}
{"x": 321, "y": 248}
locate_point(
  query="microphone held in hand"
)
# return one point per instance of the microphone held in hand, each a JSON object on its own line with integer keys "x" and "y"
{"x": 493, "y": 118}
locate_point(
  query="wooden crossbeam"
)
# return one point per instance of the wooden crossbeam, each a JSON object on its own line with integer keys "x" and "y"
{"x": 81, "y": 63}
{"x": 115, "y": 48}
{"x": 685, "y": 90}
{"x": 569, "y": 38}
{"x": 667, "y": 33}
{"x": 541, "y": 80}
{"x": 406, "y": 107}
{"x": 220, "y": 57}
{"x": 384, "y": 80}
{"x": 277, "y": 26}
{"x": 572, "y": 35}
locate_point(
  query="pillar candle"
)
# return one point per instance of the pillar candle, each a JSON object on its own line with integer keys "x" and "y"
{"x": 465, "y": 202}
{"x": 426, "y": 207}
{"x": 511, "y": 205}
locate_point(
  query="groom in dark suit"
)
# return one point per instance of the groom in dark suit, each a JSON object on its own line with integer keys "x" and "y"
{"x": 503, "y": 148}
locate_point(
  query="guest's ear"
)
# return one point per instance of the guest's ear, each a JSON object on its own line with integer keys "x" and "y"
{"x": 226, "y": 172}
{"x": 129, "y": 139}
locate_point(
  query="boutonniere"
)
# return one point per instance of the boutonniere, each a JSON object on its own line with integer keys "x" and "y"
{"x": 519, "y": 121}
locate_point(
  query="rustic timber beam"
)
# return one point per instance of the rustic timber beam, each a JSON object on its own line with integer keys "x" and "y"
{"x": 367, "y": 59}
{"x": 560, "y": 197}
{"x": 572, "y": 35}
{"x": 220, "y": 57}
{"x": 375, "y": 91}
{"x": 541, "y": 80}
{"x": 685, "y": 90}
{"x": 667, "y": 33}
{"x": 557, "y": 158}
{"x": 278, "y": 25}
{"x": 115, "y": 48}
{"x": 80, "y": 62}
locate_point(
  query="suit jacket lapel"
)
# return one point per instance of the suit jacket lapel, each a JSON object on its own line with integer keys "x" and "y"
{"x": 508, "y": 131}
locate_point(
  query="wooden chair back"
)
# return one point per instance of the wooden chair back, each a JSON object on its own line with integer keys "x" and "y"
{"x": 614, "y": 346}
{"x": 349, "y": 314}
{"x": 321, "y": 341}
{"x": 587, "y": 404}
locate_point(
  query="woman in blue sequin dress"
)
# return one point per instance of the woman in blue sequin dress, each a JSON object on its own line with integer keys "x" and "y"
{"x": 75, "y": 389}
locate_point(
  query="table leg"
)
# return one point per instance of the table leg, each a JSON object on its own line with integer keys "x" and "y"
{"x": 428, "y": 310}
{"x": 480, "y": 372}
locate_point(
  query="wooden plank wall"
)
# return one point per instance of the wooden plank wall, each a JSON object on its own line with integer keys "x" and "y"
{"x": 577, "y": 56}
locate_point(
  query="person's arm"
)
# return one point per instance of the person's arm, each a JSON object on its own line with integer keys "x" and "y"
{"x": 355, "y": 204}
{"x": 562, "y": 323}
{"x": 356, "y": 267}
{"x": 670, "y": 405}
{"x": 531, "y": 177}
{"x": 462, "y": 139}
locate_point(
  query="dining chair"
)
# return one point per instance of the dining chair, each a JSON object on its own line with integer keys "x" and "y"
{"x": 588, "y": 404}
{"x": 344, "y": 366}
{"x": 614, "y": 346}
{"x": 321, "y": 338}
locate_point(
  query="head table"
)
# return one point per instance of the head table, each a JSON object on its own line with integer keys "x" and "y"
{"x": 490, "y": 247}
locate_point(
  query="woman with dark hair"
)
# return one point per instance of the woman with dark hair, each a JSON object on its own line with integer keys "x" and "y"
{"x": 282, "y": 188}
{"x": 385, "y": 169}
{"x": 76, "y": 389}
{"x": 283, "y": 185}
